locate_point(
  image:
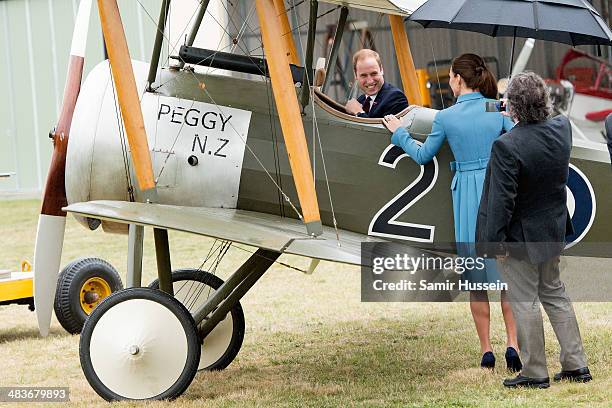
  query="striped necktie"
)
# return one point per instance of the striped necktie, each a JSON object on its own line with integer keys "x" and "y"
{"x": 366, "y": 104}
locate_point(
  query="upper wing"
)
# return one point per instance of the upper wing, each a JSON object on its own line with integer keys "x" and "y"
{"x": 261, "y": 230}
{"x": 400, "y": 7}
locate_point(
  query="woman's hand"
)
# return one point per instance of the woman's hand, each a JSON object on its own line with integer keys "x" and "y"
{"x": 391, "y": 122}
{"x": 504, "y": 107}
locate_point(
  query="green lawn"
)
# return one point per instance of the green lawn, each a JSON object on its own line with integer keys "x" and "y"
{"x": 309, "y": 340}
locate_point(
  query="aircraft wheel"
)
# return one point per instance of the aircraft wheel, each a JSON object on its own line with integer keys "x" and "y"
{"x": 193, "y": 287}
{"x": 81, "y": 286}
{"x": 139, "y": 343}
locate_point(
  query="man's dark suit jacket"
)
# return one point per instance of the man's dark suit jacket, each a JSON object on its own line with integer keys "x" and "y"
{"x": 389, "y": 101}
{"x": 523, "y": 208}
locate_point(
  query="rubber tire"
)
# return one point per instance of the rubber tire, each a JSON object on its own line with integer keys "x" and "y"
{"x": 67, "y": 303}
{"x": 238, "y": 321}
{"x": 176, "y": 307}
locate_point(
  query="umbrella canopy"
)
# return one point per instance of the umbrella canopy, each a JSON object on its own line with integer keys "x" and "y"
{"x": 573, "y": 22}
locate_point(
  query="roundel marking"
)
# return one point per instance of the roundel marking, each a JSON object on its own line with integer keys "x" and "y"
{"x": 581, "y": 204}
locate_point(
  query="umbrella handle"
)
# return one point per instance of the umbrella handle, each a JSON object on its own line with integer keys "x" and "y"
{"x": 512, "y": 55}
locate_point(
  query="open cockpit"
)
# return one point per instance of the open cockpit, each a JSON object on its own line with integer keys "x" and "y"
{"x": 258, "y": 66}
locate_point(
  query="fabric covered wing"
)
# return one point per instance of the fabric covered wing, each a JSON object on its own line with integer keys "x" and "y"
{"x": 261, "y": 230}
{"x": 399, "y": 7}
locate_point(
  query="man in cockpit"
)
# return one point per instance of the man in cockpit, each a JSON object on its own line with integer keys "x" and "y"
{"x": 380, "y": 98}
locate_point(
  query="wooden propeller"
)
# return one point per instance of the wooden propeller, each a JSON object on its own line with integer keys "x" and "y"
{"x": 52, "y": 220}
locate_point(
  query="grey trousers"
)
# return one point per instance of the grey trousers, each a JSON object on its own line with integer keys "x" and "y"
{"x": 528, "y": 286}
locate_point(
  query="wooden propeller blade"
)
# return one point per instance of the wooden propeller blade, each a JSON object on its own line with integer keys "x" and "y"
{"x": 52, "y": 220}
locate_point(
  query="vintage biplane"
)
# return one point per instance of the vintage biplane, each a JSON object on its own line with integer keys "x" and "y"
{"x": 591, "y": 101}
{"x": 172, "y": 148}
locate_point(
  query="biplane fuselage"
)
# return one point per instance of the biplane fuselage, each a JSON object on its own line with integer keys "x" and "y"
{"x": 235, "y": 159}
{"x": 210, "y": 135}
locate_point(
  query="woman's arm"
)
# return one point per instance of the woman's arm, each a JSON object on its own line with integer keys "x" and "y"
{"x": 508, "y": 123}
{"x": 424, "y": 153}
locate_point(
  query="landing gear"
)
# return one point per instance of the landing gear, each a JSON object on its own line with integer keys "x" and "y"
{"x": 147, "y": 344}
{"x": 81, "y": 286}
{"x": 140, "y": 343}
{"x": 193, "y": 288}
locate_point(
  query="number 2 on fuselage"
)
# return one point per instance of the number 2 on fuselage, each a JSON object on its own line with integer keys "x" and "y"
{"x": 384, "y": 222}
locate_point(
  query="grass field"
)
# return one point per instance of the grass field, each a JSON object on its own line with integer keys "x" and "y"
{"x": 309, "y": 340}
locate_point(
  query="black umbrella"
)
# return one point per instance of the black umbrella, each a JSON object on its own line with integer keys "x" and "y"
{"x": 573, "y": 22}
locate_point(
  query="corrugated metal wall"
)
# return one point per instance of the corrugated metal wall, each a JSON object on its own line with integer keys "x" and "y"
{"x": 426, "y": 45}
{"x": 35, "y": 38}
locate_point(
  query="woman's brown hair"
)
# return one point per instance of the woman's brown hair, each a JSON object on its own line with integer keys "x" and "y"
{"x": 476, "y": 75}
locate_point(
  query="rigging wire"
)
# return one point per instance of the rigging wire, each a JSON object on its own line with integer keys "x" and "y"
{"x": 225, "y": 244}
{"x": 286, "y": 265}
{"x": 169, "y": 28}
{"x": 171, "y": 149}
{"x": 284, "y": 195}
{"x": 274, "y": 134}
{"x": 271, "y": 110}
{"x": 279, "y": 187}
{"x": 296, "y": 29}
{"x": 122, "y": 138}
{"x": 437, "y": 73}
{"x": 196, "y": 288}
{"x": 174, "y": 47}
{"x": 213, "y": 55}
{"x": 316, "y": 134}
{"x": 217, "y": 251}
{"x": 235, "y": 40}
{"x": 183, "y": 31}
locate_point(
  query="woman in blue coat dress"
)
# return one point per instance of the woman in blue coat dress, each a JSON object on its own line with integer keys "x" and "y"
{"x": 470, "y": 132}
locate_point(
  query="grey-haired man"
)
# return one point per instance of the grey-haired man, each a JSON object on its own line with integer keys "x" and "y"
{"x": 523, "y": 218}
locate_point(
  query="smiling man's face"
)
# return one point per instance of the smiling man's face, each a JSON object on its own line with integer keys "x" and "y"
{"x": 369, "y": 75}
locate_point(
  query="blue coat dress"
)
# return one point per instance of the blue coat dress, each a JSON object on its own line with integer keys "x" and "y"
{"x": 470, "y": 131}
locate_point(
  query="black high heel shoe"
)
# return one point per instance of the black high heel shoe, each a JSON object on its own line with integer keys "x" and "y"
{"x": 488, "y": 360}
{"x": 513, "y": 362}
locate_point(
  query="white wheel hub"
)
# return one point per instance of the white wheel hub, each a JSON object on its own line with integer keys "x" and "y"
{"x": 138, "y": 349}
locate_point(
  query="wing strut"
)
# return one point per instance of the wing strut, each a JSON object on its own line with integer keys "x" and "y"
{"x": 127, "y": 94}
{"x": 286, "y": 32}
{"x": 129, "y": 103}
{"x": 405, "y": 61}
{"x": 289, "y": 114}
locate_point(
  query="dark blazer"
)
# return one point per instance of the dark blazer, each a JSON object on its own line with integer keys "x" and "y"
{"x": 523, "y": 208}
{"x": 609, "y": 133}
{"x": 389, "y": 101}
